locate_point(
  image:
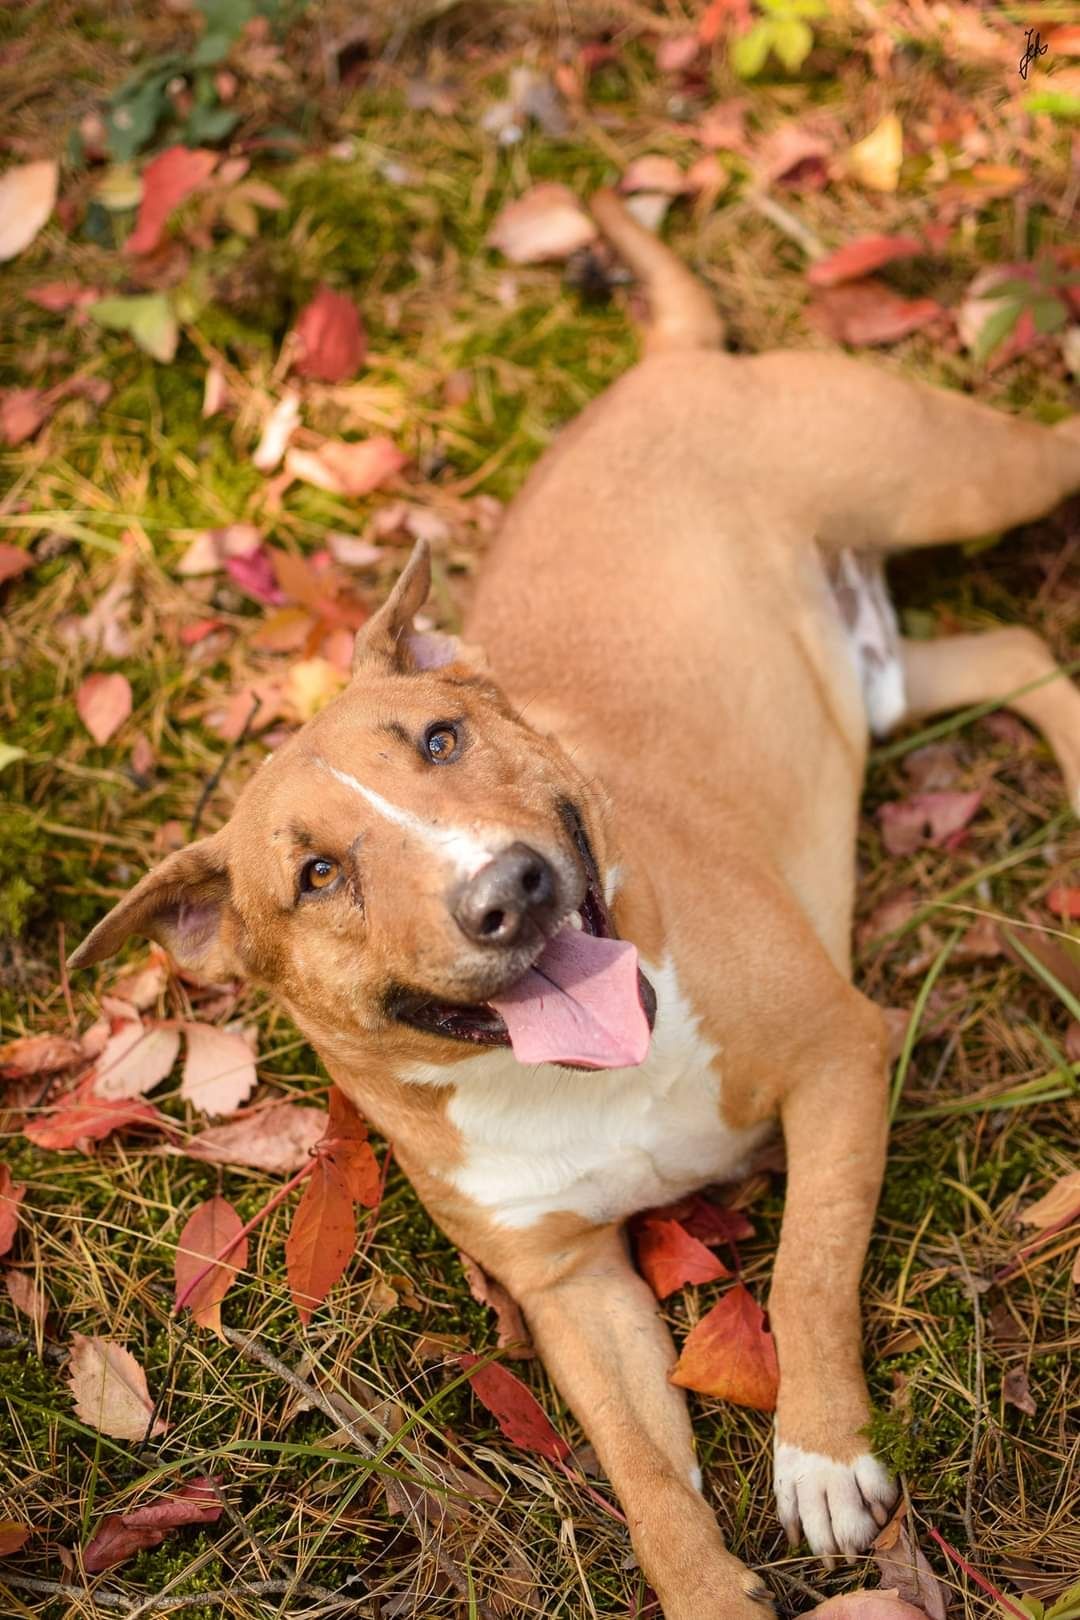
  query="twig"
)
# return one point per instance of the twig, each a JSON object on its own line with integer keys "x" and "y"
{"x": 107, "y": 1600}
{"x": 787, "y": 223}
{"x": 976, "y": 1422}
{"x": 65, "y": 984}
{"x": 168, "y": 1601}
{"x": 215, "y": 776}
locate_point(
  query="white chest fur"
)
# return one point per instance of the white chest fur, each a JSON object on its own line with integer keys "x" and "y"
{"x": 601, "y": 1144}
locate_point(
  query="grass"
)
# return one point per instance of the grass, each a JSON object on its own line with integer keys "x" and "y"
{"x": 987, "y": 1115}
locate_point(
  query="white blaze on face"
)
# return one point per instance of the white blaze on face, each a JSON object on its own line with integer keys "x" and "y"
{"x": 453, "y": 845}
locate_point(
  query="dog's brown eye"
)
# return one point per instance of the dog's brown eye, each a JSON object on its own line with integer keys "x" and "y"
{"x": 441, "y": 742}
{"x": 319, "y": 873}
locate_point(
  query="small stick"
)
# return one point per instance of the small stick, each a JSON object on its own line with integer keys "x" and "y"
{"x": 976, "y": 1424}
{"x": 788, "y": 224}
{"x": 215, "y": 776}
{"x": 65, "y": 985}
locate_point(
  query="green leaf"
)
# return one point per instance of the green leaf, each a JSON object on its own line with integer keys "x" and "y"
{"x": 1015, "y": 287}
{"x": 749, "y": 51}
{"x": 1058, "y": 103}
{"x": 208, "y": 124}
{"x": 136, "y": 110}
{"x": 227, "y": 17}
{"x": 1033, "y": 1606}
{"x": 995, "y": 329}
{"x": 1049, "y": 314}
{"x": 211, "y": 49}
{"x": 1067, "y": 1606}
{"x": 149, "y": 318}
{"x": 9, "y": 754}
{"x": 792, "y": 41}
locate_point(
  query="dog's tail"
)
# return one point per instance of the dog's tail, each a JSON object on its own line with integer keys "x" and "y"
{"x": 681, "y": 313}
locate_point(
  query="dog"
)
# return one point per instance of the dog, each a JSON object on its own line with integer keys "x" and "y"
{"x": 568, "y": 918}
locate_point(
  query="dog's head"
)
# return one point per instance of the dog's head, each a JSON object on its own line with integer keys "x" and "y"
{"x": 415, "y": 869}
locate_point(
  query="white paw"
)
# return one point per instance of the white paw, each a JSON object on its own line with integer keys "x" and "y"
{"x": 840, "y": 1505}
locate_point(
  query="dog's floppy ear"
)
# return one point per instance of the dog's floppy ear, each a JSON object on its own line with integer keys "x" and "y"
{"x": 181, "y": 904}
{"x": 390, "y": 638}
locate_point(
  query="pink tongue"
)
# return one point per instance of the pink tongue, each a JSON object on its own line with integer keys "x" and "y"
{"x": 579, "y": 1004}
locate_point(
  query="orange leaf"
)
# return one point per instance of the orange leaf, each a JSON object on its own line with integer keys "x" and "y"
{"x": 347, "y": 1147}
{"x": 166, "y": 181}
{"x": 13, "y": 1535}
{"x": 208, "y": 1233}
{"x": 1057, "y": 1207}
{"x": 731, "y": 1354}
{"x": 331, "y": 344}
{"x": 321, "y": 1238}
{"x": 11, "y": 1196}
{"x": 104, "y": 703}
{"x": 860, "y": 257}
{"x": 1064, "y": 901}
{"x": 669, "y": 1258}
{"x": 515, "y": 1408}
{"x": 84, "y": 1117}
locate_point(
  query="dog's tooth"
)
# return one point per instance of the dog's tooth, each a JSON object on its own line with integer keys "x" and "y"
{"x": 576, "y": 920}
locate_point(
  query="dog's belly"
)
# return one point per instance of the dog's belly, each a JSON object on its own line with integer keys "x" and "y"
{"x": 545, "y": 1140}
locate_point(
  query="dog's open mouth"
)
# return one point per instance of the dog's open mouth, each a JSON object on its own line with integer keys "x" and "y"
{"x": 583, "y": 1003}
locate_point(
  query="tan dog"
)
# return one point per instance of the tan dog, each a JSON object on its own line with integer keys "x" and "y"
{"x": 685, "y": 618}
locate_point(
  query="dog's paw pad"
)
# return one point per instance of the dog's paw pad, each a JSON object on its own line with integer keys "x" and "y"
{"x": 840, "y": 1506}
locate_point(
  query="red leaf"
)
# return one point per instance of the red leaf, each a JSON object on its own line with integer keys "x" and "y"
{"x": 331, "y": 344}
{"x": 38, "y": 1054}
{"x": 120, "y": 1535}
{"x": 668, "y": 1257}
{"x": 58, "y": 296}
{"x": 22, "y": 411}
{"x": 927, "y": 820}
{"x": 348, "y": 1149}
{"x": 511, "y": 1332}
{"x": 867, "y": 312}
{"x": 14, "y": 560}
{"x": 253, "y": 573}
{"x": 84, "y": 1117}
{"x": 13, "y": 1535}
{"x": 11, "y": 1196}
{"x": 858, "y": 258}
{"x": 166, "y": 181}
{"x": 515, "y": 1408}
{"x": 207, "y": 1233}
{"x": 104, "y": 703}
{"x": 1064, "y": 901}
{"x": 731, "y": 1354}
{"x": 321, "y": 1238}
{"x": 711, "y": 1223}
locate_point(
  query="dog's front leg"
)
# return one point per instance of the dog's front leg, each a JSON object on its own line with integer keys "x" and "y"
{"x": 835, "y": 1124}
{"x": 595, "y": 1324}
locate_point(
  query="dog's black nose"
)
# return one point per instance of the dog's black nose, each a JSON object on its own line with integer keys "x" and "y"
{"x": 514, "y": 890}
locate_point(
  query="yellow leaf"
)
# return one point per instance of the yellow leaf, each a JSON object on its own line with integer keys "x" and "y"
{"x": 875, "y": 161}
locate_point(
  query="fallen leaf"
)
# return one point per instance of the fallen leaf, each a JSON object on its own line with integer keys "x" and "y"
{"x": 863, "y": 1605}
{"x": 1064, "y": 901}
{"x": 208, "y": 1231}
{"x": 723, "y": 128}
{"x": 709, "y": 1222}
{"x": 858, "y": 258}
{"x": 216, "y": 392}
{"x": 311, "y": 684}
{"x": 278, "y": 429}
{"x": 731, "y": 1354}
{"x": 653, "y": 173}
{"x": 344, "y": 468}
{"x": 103, "y": 703}
{"x": 14, "y": 560}
{"x": 60, "y": 296}
{"x": 278, "y": 1140}
{"x": 110, "y": 1389}
{"x": 547, "y": 223}
{"x": 330, "y": 340}
{"x": 253, "y": 573}
{"x": 219, "y": 1068}
{"x": 12, "y": 1194}
{"x": 875, "y": 161}
{"x": 928, "y": 820}
{"x": 147, "y": 317}
{"x": 120, "y": 1535}
{"x": 1017, "y": 1392}
{"x": 511, "y": 1333}
{"x": 136, "y": 1058}
{"x": 26, "y": 1296}
{"x": 321, "y": 1238}
{"x": 351, "y": 551}
{"x": 13, "y": 1536}
{"x": 346, "y": 1146}
{"x": 868, "y": 312}
{"x": 994, "y": 327}
{"x": 1058, "y": 1207}
{"x": 83, "y": 1117}
{"x": 27, "y": 198}
{"x": 38, "y": 1054}
{"x": 211, "y": 549}
{"x": 669, "y": 1258}
{"x": 22, "y": 412}
{"x": 144, "y": 984}
{"x": 167, "y": 181}
{"x": 905, "y": 1570}
{"x": 793, "y": 157}
{"x": 515, "y": 1408}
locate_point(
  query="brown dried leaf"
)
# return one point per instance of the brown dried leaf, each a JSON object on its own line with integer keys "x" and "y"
{"x": 110, "y": 1389}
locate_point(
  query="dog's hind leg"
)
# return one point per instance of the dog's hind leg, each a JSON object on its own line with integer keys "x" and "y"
{"x": 595, "y": 1324}
{"x": 954, "y": 672}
